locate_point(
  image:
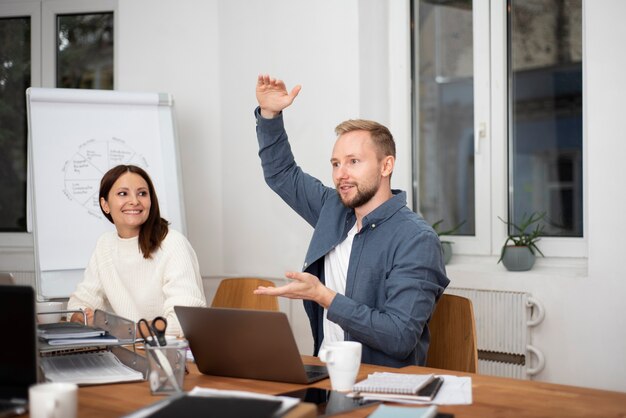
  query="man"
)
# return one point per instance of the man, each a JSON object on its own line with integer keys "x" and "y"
{"x": 374, "y": 269}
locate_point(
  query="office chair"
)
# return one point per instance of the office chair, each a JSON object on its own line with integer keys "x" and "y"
{"x": 237, "y": 293}
{"x": 453, "y": 335}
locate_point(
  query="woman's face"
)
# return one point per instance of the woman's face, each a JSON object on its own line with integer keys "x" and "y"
{"x": 128, "y": 203}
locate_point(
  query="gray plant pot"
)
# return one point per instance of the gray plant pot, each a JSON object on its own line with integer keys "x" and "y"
{"x": 447, "y": 251}
{"x": 518, "y": 258}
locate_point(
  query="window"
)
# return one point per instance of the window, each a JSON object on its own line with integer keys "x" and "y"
{"x": 75, "y": 42}
{"x": 545, "y": 112}
{"x": 15, "y": 77}
{"x": 498, "y": 123}
{"x": 446, "y": 115}
{"x": 85, "y": 51}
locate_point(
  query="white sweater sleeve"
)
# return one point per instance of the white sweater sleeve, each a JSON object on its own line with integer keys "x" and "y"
{"x": 89, "y": 293}
{"x": 182, "y": 283}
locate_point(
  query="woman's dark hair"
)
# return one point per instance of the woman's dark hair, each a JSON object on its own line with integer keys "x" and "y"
{"x": 154, "y": 230}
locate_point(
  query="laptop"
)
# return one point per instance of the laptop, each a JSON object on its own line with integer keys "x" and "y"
{"x": 18, "y": 352}
{"x": 245, "y": 343}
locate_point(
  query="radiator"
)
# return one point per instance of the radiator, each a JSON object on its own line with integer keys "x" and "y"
{"x": 504, "y": 322}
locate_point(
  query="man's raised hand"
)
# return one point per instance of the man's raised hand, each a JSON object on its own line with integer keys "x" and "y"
{"x": 272, "y": 95}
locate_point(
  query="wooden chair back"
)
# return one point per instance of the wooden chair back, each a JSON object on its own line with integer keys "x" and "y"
{"x": 238, "y": 293}
{"x": 453, "y": 335}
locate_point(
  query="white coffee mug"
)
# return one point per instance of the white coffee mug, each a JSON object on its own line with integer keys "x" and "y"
{"x": 49, "y": 307}
{"x": 343, "y": 359}
{"x": 53, "y": 400}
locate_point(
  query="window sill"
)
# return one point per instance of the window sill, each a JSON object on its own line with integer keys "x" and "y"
{"x": 16, "y": 252}
{"x": 16, "y": 240}
{"x": 484, "y": 272}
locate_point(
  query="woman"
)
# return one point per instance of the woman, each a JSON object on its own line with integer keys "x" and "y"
{"x": 143, "y": 269}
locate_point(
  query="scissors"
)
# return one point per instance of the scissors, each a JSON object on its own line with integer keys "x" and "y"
{"x": 153, "y": 333}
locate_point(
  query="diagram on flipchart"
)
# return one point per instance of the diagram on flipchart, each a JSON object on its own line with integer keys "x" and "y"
{"x": 84, "y": 170}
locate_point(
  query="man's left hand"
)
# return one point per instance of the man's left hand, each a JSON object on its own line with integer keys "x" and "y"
{"x": 303, "y": 286}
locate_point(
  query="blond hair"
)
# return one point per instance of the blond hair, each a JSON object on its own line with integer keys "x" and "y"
{"x": 381, "y": 137}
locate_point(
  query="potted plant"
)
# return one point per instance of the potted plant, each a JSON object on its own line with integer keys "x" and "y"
{"x": 446, "y": 245}
{"x": 518, "y": 251}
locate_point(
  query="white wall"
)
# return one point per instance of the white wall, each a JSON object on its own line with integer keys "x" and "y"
{"x": 208, "y": 53}
{"x": 173, "y": 47}
{"x": 308, "y": 43}
{"x": 606, "y": 85}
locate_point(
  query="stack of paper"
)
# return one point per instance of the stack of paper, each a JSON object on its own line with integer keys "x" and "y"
{"x": 73, "y": 333}
{"x": 88, "y": 369}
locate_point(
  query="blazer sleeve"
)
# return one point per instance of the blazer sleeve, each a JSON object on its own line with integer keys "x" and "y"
{"x": 302, "y": 192}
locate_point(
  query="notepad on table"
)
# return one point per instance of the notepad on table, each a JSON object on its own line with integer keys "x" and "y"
{"x": 399, "y": 387}
{"x": 406, "y": 384}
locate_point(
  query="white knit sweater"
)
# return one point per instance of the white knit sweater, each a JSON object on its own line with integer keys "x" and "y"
{"x": 118, "y": 279}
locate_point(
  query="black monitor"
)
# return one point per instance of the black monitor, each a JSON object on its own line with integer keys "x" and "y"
{"x": 18, "y": 350}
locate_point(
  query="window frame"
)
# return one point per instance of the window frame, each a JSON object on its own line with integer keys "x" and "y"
{"x": 15, "y": 242}
{"x": 491, "y": 129}
{"x": 49, "y": 12}
{"x": 16, "y": 248}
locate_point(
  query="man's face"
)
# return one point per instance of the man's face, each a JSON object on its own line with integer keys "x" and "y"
{"x": 356, "y": 168}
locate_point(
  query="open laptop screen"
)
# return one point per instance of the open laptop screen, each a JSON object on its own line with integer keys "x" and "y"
{"x": 252, "y": 344}
{"x": 18, "y": 351}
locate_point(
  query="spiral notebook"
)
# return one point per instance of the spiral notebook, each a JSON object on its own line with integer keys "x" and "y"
{"x": 397, "y": 383}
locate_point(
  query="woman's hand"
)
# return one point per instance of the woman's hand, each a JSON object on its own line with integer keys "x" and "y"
{"x": 78, "y": 317}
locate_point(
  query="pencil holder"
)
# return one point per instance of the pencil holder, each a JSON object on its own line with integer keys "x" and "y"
{"x": 166, "y": 368}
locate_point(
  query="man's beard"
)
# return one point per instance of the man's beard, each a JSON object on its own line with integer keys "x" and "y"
{"x": 363, "y": 195}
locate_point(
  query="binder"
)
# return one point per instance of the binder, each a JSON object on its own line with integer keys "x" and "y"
{"x": 99, "y": 361}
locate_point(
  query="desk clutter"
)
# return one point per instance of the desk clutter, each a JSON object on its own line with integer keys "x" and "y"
{"x": 210, "y": 403}
{"x": 492, "y": 396}
{"x": 72, "y": 352}
{"x": 106, "y": 353}
{"x": 415, "y": 388}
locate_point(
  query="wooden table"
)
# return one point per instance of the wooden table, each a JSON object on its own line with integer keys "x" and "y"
{"x": 492, "y": 396}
